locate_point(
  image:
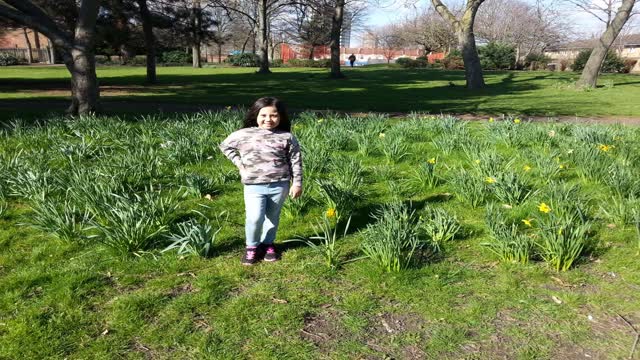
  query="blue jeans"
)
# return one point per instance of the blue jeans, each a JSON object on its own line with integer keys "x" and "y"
{"x": 263, "y": 203}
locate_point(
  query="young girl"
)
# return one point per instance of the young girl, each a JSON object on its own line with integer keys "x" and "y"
{"x": 270, "y": 164}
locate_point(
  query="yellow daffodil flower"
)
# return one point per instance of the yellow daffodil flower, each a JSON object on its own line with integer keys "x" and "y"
{"x": 381, "y": 136}
{"x": 331, "y": 213}
{"x": 491, "y": 120}
{"x": 490, "y": 180}
{"x": 544, "y": 208}
{"x": 432, "y": 161}
{"x": 527, "y": 222}
{"x": 526, "y": 168}
{"x": 516, "y": 121}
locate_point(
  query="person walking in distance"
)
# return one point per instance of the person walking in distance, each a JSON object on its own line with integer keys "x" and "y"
{"x": 352, "y": 59}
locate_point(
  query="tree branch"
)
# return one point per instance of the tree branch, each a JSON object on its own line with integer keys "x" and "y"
{"x": 446, "y": 14}
{"x": 43, "y": 25}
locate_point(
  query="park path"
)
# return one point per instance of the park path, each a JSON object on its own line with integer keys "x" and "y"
{"x": 132, "y": 107}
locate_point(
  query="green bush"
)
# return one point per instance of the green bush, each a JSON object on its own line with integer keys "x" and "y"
{"x": 612, "y": 62}
{"x": 537, "y": 61}
{"x": 322, "y": 63}
{"x": 411, "y": 63}
{"x": 628, "y": 65}
{"x": 175, "y": 57}
{"x": 497, "y": 56}
{"x": 244, "y": 60}
{"x": 277, "y": 63}
{"x": 453, "y": 61}
{"x": 8, "y": 60}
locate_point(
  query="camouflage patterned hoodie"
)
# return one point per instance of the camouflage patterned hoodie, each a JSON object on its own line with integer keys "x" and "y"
{"x": 264, "y": 156}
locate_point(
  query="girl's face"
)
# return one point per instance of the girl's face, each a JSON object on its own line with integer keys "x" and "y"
{"x": 268, "y": 118}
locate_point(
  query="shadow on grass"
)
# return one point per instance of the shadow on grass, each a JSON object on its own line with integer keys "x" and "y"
{"x": 380, "y": 90}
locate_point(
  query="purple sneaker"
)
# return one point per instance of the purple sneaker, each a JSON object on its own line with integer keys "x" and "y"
{"x": 271, "y": 254}
{"x": 250, "y": 256}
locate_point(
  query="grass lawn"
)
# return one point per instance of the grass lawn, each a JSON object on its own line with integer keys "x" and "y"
{"x": 78, "y": 197}
{"x": 23, "y": 90}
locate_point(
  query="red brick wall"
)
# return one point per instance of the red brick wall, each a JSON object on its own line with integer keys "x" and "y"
{"x": 15, "y": 38}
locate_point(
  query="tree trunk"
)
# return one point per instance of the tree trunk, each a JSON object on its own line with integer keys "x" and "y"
{"x": 472, "y": 68}
{"x": 336, "y": 30}
{"x": 196, "y": 23}
{"x": 52, "y": 53}
{"x": 81, "y": 62}
{"x": 29, "y": 48}
{"x": 589, "y": 76}
{"x": 149, "y": 41}
{"x": 466, "y": 39}
{"x": 263, "y": 38}
{"x": 219, "y": 53}
{"x": 36, "y": 39}
{"x": 85, "y": 92}
{"x": 311, "y": 53}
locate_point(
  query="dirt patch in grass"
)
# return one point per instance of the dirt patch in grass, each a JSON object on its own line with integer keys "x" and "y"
{"x": 146, "y": 351}
{"x": 182, "y": 289}
{"x": 386, "y": 327}
{"x": 323, "y": 330}
{"x": 502, "y": 345}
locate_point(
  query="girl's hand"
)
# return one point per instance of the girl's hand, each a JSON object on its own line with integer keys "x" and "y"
{"x": 295, "y": 192}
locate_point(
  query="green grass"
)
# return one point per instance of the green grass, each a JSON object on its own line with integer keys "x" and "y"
{"x": 78, "y": 299}
{"x": 380, "y": 89}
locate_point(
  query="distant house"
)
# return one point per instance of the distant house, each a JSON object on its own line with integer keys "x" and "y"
{"x": 627, "y": 47}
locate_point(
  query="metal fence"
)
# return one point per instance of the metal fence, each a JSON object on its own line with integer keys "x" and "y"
{"x": 38, "y": 55}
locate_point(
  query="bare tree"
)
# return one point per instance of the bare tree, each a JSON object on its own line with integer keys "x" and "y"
{"x": 603, "y": 10}
{"x": 527, "y": 27}
{"x": 430, "y": 31}
{"x": 77, "y": 48}
{"x": 391, "y": 39}
{"x": 589, "y": 76}
{"x": 466, "y": 39}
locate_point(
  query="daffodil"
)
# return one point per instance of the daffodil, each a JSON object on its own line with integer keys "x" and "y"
{"x": 544, "y": 208}
{"x": 526, "y": 168}
{"x": 320, "y": 121}
{"x": 477, "y": 161}
{"x": 381, "y": 135}
{"x": 432, "y": 161}
{"x": 228, "y": 108}
{"x": 490, "y": 180}
{"x": 331, "y": 213}
{"x": 561, "y": 166}
{"x": 516, "y": 121}
{"x": 491, "y": 120}
{"x": 551, "y": 133}
{"x": 527, "y": 222}
{"x": 605, "y": 148}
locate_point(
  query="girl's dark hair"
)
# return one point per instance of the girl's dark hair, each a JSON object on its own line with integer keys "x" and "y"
{"x": 251, "y": 119}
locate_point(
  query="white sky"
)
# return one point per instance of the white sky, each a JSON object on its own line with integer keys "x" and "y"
{"x": 585, "y": 24}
